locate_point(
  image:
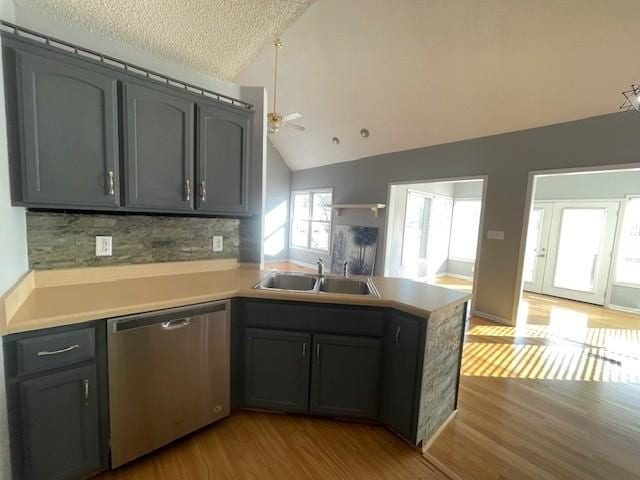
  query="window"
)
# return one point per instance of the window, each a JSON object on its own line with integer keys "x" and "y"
{"x": 416, "y": 226}
{"x": 628, "y": 259}
{"x": 311, "y": 219}
{"x": 464, "y": 230}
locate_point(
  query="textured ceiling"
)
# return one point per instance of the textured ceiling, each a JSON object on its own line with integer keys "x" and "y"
{"x": 424, "y": 72}
{"x": 219, "y": 37}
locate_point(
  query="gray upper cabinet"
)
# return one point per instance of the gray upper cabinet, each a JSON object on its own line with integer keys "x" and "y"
{"x": 89, "y": 135}
{"x": 223, "y": 160}
{"x": 68, "y": 133}
{"x": 159, "y": 135}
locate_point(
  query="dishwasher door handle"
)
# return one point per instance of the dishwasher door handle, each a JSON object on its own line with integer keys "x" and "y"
{"x": 175, "y": 324}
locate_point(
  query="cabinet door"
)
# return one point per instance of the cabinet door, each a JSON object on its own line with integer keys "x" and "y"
{"x": 276, "y": 369}
{"x": 346, "y": 376}
{"x": 223, "y": 160}
{"x": 69, "y": 134}
{"x": 159, "y": 137}
{"x": 61, "y": 424}
{"x": 401, "y": 352}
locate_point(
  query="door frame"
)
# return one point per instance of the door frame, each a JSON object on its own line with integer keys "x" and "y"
{"x": 528, "y": 205}
{"x": 476, "y": 270}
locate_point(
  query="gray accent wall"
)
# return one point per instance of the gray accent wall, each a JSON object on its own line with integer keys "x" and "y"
{"x": 276, "y": 212}
{"x": 67, "y": 240}
{"x": 506, "y": 159}
{"x": 471, "y": 189}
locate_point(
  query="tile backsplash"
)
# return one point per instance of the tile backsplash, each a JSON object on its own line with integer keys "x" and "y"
{"x": 67, "y": 240}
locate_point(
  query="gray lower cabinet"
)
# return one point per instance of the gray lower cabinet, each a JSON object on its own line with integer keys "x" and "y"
{"x": 61, "y": 424}
{"x": 56, "y": 383}
{"x": 276, "y": 369}
{"x": 222, "y": 160}
{"x": 402, "y": 372}
{"x": 64, "y": 144}
{"x": 159, "y": 136}
{"x": 346, "y": 376}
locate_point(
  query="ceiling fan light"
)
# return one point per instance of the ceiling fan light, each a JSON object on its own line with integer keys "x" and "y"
{"x": 632, "y": 99}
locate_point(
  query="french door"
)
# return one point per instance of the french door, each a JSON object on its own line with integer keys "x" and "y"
{"x": 569, "y": 247}
{"x": 537, "y": 243}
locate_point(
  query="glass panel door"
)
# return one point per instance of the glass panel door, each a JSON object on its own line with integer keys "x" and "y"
{"x": 581, "y": 243}
{"x": 537, "y": 244}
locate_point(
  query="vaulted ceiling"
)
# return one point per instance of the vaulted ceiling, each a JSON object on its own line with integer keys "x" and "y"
{"x": 424, "y": 72}
{"x": 219, "y": 37}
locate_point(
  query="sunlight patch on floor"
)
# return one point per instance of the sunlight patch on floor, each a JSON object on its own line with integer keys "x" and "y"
{"x": 545, "y": 362}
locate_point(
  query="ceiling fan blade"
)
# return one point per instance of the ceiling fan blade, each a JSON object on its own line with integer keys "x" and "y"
{"x": 291, "y": 116}
{"x": 293, "y": 125}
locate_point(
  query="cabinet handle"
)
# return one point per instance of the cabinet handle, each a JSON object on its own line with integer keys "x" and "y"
{"x": 203, "y": 191}
{"x": 398, "y": 336}
{"x": 304, "y": 350}
{"x": 318, "y": 354}
{"x": 86, "y": 390}
{"x": 57, "y": 352}
{"x": 112, "y": 186}
{"x": 188, "y": 185}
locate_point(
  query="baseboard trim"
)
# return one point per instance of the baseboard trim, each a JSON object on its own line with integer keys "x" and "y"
{"x": 493, "y": 318}
{"x": 431, "y": 459}
{"x": 441, "y": 466}
{"x": 457, "y": 275}
{"x": 425, "y": 446}
{"x": 301, "y": 264}
{"x": 624, "y": 309}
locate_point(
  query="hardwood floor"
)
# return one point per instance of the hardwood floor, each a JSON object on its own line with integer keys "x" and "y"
{"x": 555, "y": 397}
{"x": 252, "y": 445}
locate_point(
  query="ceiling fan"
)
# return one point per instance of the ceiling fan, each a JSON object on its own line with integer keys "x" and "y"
{"x": 277, "y": 120}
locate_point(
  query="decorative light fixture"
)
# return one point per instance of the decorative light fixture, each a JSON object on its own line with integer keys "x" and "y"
{"x": 364, "y": 133}
{"x": 632, "y": 99}
{"x": 276, "y": 120}
{"x": 335, "y": 141}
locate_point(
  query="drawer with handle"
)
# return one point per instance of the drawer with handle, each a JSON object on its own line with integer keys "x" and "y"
{"x": 46, "y": 352}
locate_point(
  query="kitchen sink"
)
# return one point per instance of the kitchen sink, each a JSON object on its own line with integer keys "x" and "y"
{"x": 307, "y": 283}
{"x": 347, "y": 286}
{"x": 289, "y": 281}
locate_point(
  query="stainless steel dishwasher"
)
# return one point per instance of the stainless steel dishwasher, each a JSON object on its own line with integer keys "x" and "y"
{"x": 168, "y": 376}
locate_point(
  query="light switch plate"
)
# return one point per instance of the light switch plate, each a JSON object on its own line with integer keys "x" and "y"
{"x": 103, "y": 246}
{"x": 495, "y": 235}
{"x": 217, "y": 243}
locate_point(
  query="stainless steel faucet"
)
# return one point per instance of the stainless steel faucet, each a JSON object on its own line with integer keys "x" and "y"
{"x": 320, "y": 268}
{"x": 345, "y": 269}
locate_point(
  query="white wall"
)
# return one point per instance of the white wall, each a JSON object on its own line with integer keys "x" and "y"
{"x": 13, "y": 249}
{"x": 276, "y": 212}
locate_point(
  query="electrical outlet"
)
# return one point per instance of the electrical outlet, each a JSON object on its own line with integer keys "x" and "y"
{"x": 217, "y": 243}
{"x": 103, "y": 246}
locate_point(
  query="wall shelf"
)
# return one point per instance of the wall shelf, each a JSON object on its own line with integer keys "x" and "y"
{"x": 374, "y": 207}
